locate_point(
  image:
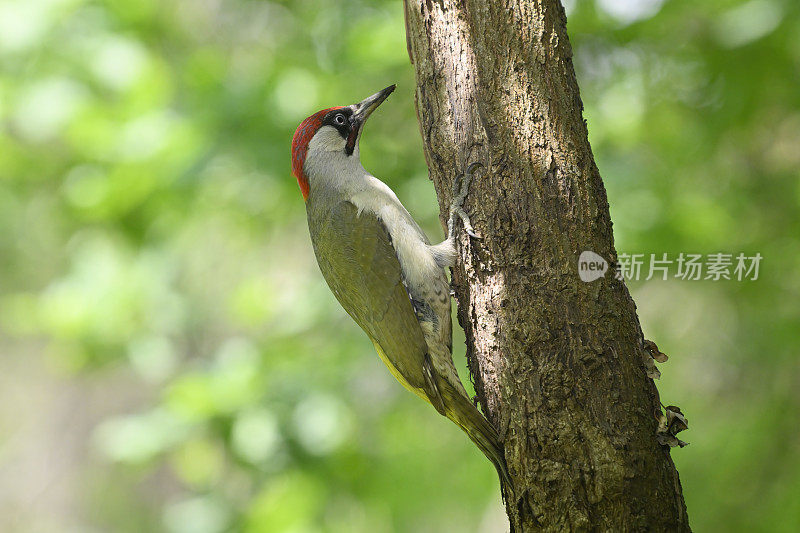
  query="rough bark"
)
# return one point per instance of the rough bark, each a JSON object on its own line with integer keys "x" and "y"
{"x": 559, "y": 365}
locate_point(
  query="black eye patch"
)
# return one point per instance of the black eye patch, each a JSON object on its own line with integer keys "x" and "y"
{"x": 339, "y": 119}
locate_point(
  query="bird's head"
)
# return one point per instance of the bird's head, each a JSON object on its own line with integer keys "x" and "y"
{"x": 331, "y": 136}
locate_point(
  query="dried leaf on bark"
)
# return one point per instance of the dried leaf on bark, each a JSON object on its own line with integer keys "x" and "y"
{"x": 654, "y": 352}
{"x": 650, "y": 368}
{"x": 670, "y": 423}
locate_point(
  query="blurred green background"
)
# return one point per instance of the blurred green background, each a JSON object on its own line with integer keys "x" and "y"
{"x": 171, "y": 357}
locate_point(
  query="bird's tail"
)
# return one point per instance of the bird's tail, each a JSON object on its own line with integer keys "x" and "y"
{"x": 460, "y": 410}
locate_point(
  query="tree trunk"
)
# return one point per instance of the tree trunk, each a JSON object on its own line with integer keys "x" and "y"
{"x": 560, "y": 365}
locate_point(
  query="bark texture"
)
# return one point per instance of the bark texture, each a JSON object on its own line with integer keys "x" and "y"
{"x": 559, "y": 365}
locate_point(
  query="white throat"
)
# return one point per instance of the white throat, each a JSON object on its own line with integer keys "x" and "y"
{"x": 328, "y": 166}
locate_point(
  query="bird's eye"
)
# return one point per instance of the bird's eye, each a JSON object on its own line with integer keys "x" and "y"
{"x": 339, "y": 119}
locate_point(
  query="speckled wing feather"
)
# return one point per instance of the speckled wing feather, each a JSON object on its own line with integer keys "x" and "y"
{"x": 355, "y": 254}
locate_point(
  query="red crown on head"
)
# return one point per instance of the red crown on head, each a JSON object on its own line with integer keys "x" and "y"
{"x": 302, "y": 136}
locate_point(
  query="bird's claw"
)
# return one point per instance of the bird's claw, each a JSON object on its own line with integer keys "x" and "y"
{"x": 467, "y": 224}
{"x": 460, "y": 191}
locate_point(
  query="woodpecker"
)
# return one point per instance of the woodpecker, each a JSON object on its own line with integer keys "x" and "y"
{"x": 382, "y": 268}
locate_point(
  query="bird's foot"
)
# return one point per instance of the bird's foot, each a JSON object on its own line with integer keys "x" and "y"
{"x": 460, "y": 192}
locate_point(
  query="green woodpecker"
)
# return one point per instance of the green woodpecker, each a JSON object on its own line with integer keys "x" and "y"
{"x": 382, "y": 268}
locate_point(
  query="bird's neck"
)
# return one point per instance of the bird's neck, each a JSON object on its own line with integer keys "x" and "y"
{"x": 332, "y": 173}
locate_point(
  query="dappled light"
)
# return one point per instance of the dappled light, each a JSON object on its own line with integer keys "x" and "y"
{"x": 172, "y": 359}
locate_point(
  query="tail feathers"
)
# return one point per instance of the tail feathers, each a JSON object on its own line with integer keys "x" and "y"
{"x": 460, "y": 410}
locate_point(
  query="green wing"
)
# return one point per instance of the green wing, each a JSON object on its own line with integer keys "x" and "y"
{"x": 357, "y": 259}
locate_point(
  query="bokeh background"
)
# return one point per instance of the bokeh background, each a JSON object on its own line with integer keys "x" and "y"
{"x": 171, "y": 359}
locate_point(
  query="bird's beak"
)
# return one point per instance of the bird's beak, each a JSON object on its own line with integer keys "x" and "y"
{"x": 365, "y": 108}
{"x": 361, "y": 112}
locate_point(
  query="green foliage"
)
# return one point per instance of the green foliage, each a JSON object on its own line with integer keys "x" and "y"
{"x": 156, "y": 268}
